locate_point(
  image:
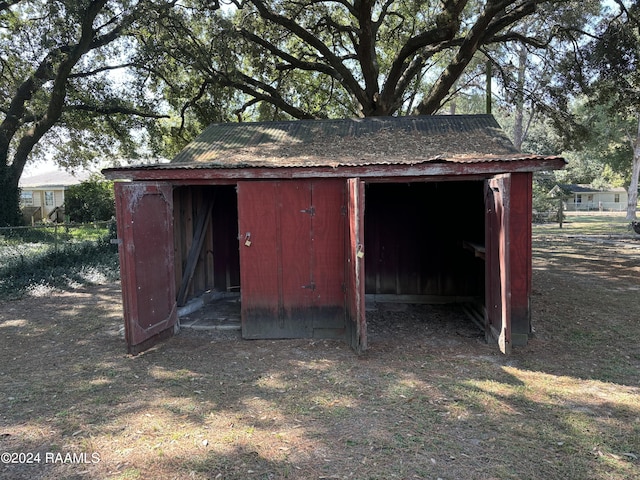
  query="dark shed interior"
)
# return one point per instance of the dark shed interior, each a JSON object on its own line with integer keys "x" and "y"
{"x": 207, "y": 214}
{"x": 415, "y": 238}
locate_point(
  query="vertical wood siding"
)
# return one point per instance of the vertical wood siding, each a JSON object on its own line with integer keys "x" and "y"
{"x": 292, "y": 258}
{"x": 520, "y": 256}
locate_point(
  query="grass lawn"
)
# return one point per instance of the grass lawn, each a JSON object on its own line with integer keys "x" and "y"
{"x": 577, "y": 223}
{"x": 428, "y": 400}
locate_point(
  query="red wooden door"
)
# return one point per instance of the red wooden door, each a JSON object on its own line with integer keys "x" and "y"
{"x": 295, "y": 237}
{"x": 497, "y": 268}
{"x": 291, "y": 258}
{"x": 356, "y": 320}
{"x": 145, "y": 230}
{"x": 328, "y": 257}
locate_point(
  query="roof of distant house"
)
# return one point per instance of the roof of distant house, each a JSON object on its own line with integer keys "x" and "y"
{"x": 54, "y": 179}
{"x": 583, "y": 188}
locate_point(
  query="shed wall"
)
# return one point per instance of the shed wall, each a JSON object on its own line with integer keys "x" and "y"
{"x": 292, "y": 258}
{"x": 413, "y": 243}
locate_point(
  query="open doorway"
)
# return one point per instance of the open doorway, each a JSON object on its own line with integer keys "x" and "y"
{"x": 207, "y": 265}
{"x": 424, "y": 244}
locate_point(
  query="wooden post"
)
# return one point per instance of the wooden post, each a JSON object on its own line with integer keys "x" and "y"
{"x": 55, "y": 239}
{"x": 560, "y": 212}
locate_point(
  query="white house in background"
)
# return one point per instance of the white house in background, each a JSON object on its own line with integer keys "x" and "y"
{"x": 42, "y": 195}
{"x": 588, "y": 198}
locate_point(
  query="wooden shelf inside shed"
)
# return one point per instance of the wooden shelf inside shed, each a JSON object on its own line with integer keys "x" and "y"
{"x": 477, "y": 249}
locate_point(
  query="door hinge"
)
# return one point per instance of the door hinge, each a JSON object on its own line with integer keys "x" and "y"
{"x": 311, "y": 210}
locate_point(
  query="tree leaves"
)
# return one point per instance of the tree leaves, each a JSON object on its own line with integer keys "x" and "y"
{"x": 57, "y": 59}
{"x": 314, "y": 59}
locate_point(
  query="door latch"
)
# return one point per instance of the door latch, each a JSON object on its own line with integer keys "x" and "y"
{"x": 311, "y": 210}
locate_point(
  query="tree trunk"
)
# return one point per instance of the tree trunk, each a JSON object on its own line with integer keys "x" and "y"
{"x": 518, "y": 130}
{"x": 635, "y": 176}
{"x": 10, "y": 197}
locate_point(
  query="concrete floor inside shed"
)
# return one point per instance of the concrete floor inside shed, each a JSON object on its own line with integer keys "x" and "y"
{"x": 222, "y": 314}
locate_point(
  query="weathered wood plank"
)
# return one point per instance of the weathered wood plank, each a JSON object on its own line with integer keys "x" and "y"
{"x": 356, "y": 321}
{"x": 199, "y": 275}
{"x": 497, "y": 272}
{"x": 202, "y": 224}
{"x": 378, "y": 172}
{"x": 178, "y": 195}
{"x": 328, "y": 256}
{"x": 520, "y": 256}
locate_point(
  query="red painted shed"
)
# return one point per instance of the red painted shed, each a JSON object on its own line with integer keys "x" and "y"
{"x": 306, "y": 218}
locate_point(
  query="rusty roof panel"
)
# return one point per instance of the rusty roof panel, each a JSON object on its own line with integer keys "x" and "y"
{"x": 366, "y": 141}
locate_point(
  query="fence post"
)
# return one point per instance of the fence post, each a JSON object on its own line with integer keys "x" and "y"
{"x": 560, "y": 212}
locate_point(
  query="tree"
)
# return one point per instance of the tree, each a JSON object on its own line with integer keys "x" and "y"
{"x": 57, "y": 93}
{"x": 615, "y": 56}
{"x": 90, "y": 201}
{"x": 606, "y": 70}
{"x": 262, "y": 59}
{"x": 525, "y": 72}
{"x": 327, "y": 58}
{"x": 603, "y": 157}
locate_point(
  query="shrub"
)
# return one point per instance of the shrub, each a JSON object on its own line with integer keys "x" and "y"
{"x": 90, "y": 201}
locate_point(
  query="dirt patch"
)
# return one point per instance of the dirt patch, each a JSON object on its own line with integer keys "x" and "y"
{"x": 429, "y": 399}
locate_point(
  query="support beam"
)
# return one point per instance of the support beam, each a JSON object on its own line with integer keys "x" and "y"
{"x": 202, "y": 225}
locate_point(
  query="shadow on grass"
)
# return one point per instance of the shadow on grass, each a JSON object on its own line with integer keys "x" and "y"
{"x": 584, "y": 299}
{"x": 66, "y": 268}
{"x": 428, "y": 400}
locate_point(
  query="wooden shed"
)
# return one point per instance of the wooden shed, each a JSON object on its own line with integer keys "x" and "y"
{"x": 306, "y": 218}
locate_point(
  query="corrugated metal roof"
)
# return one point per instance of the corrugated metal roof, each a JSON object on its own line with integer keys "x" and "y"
{"x": 352, "y": 142}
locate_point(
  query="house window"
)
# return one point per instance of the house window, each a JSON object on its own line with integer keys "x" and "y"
{"x": 589, "y": 198}
{"x": 26, "y": 198}
{"x": 616, "y": 198}
{"x": 578, "y": 198}
{"x": 49, "y": 199}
